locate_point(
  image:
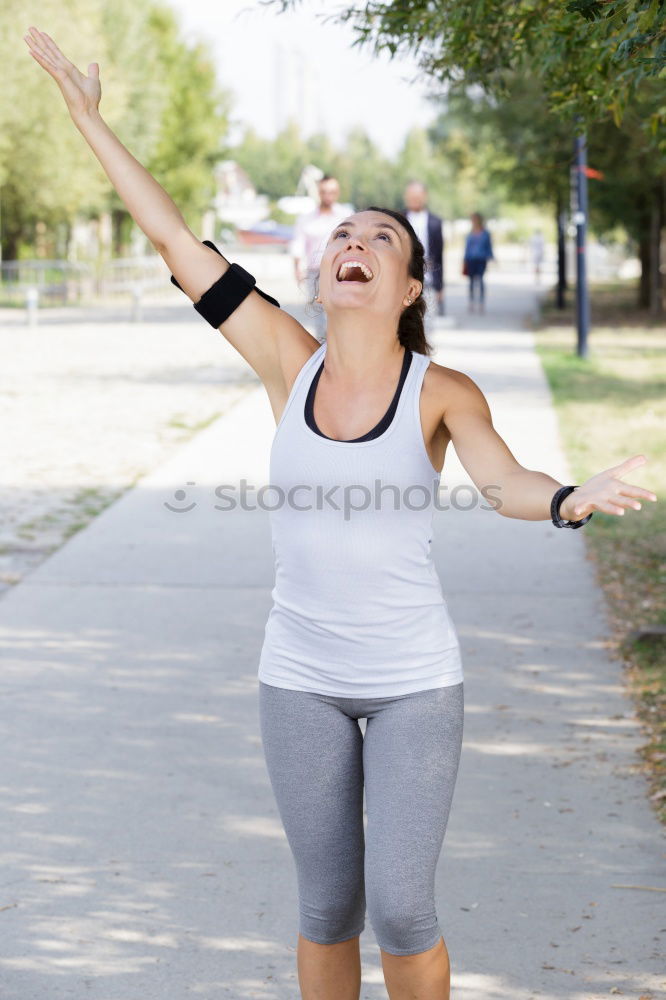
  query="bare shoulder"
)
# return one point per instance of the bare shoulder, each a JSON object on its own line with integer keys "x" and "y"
{"x": 443, "y": 386}
{"x": 449, "y": 397}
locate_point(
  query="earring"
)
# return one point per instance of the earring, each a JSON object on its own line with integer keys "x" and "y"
{"x": 409, "y": 301}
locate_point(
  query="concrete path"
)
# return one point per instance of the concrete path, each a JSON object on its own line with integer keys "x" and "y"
{"x": 143, "y": 855}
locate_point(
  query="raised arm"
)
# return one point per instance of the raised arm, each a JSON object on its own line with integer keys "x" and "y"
{"x": 256, "y": 328}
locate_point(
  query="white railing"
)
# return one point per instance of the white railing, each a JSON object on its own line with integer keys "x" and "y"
{"x": 35, "y": 284}
{"x": 50, "y": 282}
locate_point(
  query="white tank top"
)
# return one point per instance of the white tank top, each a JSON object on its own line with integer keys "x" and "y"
{"x": 358, "y": 608}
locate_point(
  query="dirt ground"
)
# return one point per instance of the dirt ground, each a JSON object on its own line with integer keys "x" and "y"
{"x": 91, "y": 401}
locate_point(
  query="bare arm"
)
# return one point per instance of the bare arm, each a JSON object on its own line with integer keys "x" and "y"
{"x": 527, "y": 493}
{"x": 256, "y": 328}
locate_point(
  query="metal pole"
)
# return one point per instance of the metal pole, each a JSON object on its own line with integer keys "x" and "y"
{"x": 560, "y": 296}
{"x": 136, "y": 301}
{"x": 32, "y": 304}
{"x": 580, "y": 220}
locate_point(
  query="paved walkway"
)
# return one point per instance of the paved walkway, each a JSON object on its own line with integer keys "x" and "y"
{"x": 143, "y": 855}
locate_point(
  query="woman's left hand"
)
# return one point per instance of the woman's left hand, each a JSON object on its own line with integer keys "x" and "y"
{"x": 606, "y": 492}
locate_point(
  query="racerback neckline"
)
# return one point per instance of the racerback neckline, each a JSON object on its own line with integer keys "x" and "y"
{"x": 379, "y": 428}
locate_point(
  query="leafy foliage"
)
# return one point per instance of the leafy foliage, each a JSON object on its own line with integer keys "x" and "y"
{"x": 159, "y": 95}
{"x": 45, "y": 171}
{"x": 597, "y": 65}
{"x": 590, "y": 55}
{"x": 450, "y": 161}
{"x": 193, "y": 122}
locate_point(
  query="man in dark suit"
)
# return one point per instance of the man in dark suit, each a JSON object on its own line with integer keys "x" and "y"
{"x": 428, "y": 228}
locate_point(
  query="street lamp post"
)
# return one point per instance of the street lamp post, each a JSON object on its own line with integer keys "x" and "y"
{"x": 560, "y": 288}
{"x": 580, "y": 221}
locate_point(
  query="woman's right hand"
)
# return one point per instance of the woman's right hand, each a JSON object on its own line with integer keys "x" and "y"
{"x": 82, "y": 93}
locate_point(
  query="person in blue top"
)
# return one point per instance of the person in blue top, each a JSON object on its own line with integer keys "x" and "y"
{"x": 478, "y": 251}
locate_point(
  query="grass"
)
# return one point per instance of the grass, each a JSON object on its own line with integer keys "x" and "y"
{"x": 612, "y": 406}
{"x": 182, "y": 422}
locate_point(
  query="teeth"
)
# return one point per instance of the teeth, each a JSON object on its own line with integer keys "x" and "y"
{"x": 356, "y": 263}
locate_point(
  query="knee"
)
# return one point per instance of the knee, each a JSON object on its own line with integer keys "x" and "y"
{"x": 333, "y": 919}
{"x": 403, "y": 926}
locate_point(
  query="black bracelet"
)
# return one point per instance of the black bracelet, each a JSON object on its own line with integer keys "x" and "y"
{"x": 558, "y": 497}
{"x": 224, "y": 296}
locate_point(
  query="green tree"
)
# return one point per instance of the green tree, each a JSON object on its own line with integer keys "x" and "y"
{"x": 532, "y": 154}
{"x": 46, "y": 174}
{"x": 461, "y": 158}
{"x": 159, "y": 95}
{"x": 595, "y": 62}
{"x": 591, "y": 55}
{"x": 418, "y": 159}
{"x": 134, "y": 94}
{"x": 274, "y": 165}
{"x": 322, "y": 152}
{"x": 632, "y": 192}
{"x": 193, "y": 121}
{"x": 365, "y": 174}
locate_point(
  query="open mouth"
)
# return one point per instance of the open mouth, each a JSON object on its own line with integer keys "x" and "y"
{"x": 354, "y": 270}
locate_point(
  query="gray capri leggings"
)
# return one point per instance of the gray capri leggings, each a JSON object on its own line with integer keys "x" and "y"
{"x": 318, "y": 760}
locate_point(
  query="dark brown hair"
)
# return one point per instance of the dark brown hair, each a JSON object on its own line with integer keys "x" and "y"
{"x": 411, "y": 327}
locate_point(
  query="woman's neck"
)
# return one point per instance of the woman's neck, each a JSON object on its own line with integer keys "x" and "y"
{"x": 353, "y": 358}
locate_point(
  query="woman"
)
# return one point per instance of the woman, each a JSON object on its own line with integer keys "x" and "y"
{"x": 478, "y": 251}
{"x": 359, "y": 627}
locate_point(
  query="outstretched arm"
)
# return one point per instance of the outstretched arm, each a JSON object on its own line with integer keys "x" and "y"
{"x": 256, "y": 327}
{"x": 527, "y": 493}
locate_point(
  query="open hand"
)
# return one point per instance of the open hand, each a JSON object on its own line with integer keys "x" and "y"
{"x": 606, "y": 492}
{"x": 82, "y": 93}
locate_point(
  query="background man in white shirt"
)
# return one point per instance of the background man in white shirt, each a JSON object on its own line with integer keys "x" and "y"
{"x": 428, "y": 228}
{"x": 311, "y": 231}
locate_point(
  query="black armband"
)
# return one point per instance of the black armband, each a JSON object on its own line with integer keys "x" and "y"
{"x": 222, "y": 298}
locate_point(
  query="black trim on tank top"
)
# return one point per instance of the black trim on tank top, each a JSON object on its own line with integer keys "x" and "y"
{"x": 383, "y": 423}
